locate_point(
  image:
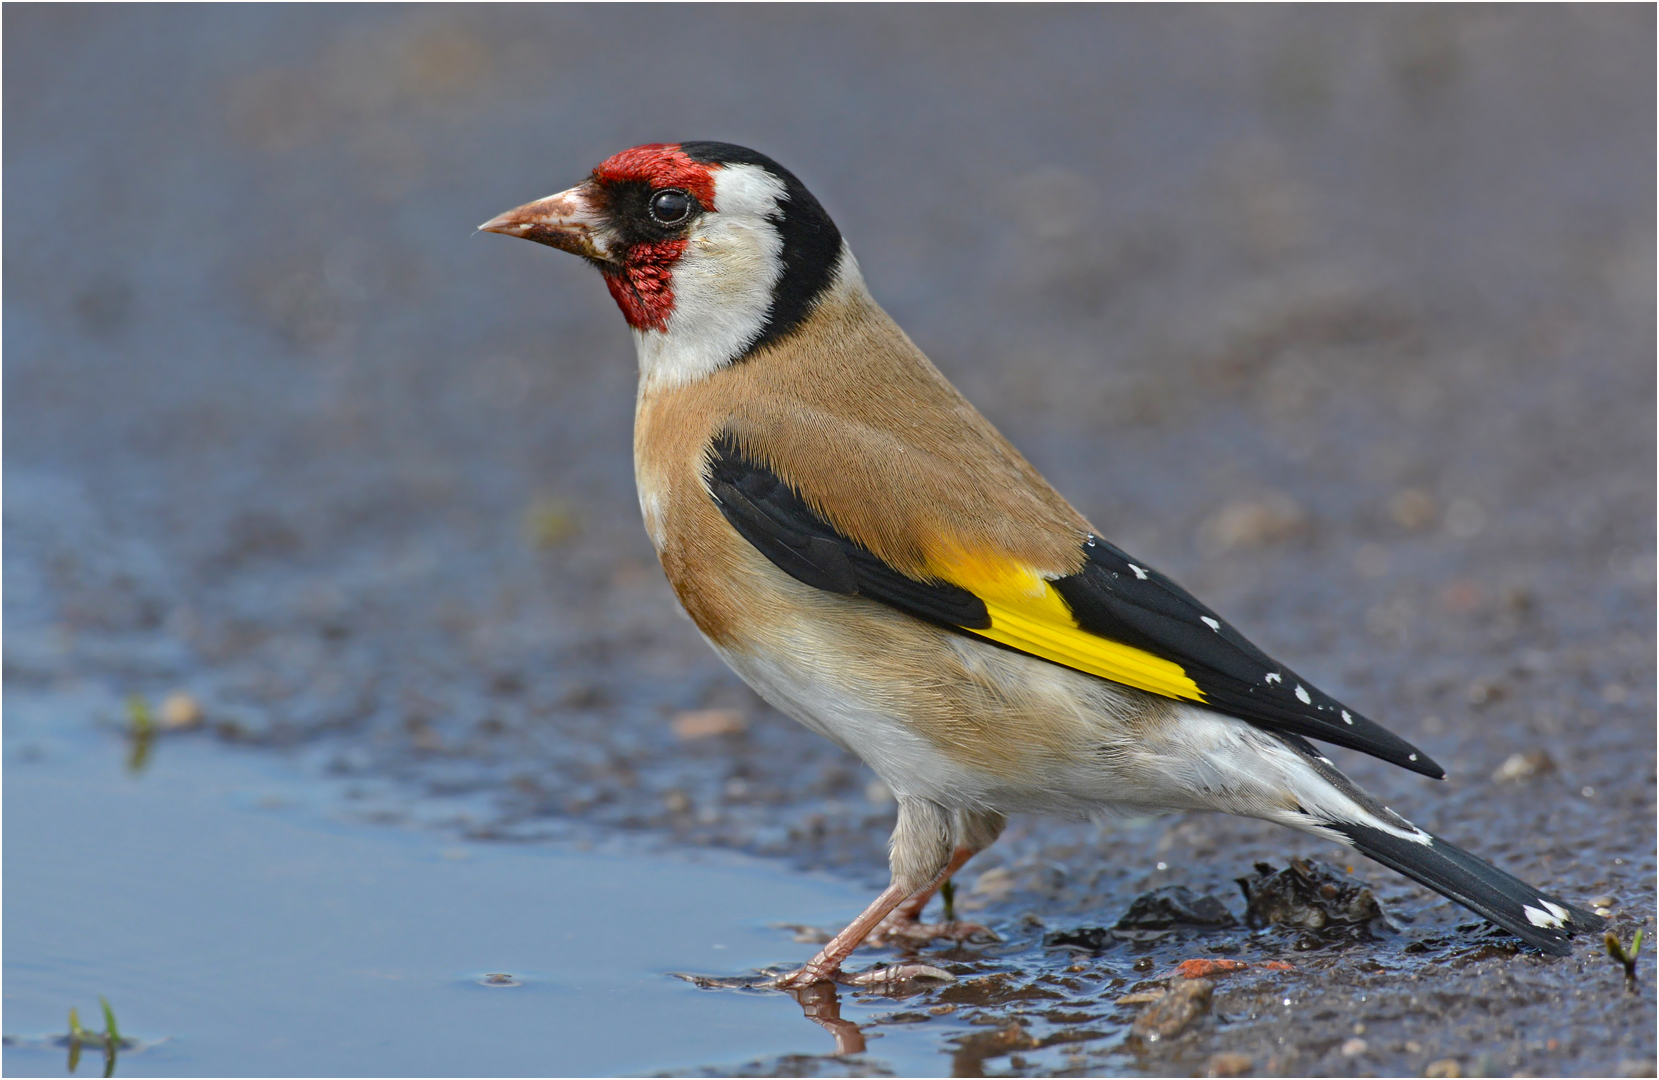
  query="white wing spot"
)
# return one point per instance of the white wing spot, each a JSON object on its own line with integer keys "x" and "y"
{"x": 1411, "y": 757}
{"x": 1302, "y": 695}
{"x": 1346, "y": 719}
{"x": 1139, "y": 573}
{"x": 1273, "y": 677}
{"x": 1541, "y": 918}
{"x": 1555, "y": 909}
{"x": 1211, "y": 623}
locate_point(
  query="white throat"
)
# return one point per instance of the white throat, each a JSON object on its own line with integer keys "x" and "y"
{"x": 722, "y": 283}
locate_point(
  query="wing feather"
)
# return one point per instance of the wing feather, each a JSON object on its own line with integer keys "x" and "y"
{"x": 1114, "y": 618}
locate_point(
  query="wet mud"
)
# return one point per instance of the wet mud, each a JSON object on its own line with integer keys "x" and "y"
{"x": 1345, "y": 319}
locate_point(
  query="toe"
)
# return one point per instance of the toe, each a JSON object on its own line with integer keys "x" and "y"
{"x": 900, "y": 973}
{"x": 807, "y": 976}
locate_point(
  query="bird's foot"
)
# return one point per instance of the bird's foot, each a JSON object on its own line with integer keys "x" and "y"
{"x": 895, "y": 930}
{"x": 895, "y": 974}
{"x": 810, "y": 975}
{"x": 885, "y": 975}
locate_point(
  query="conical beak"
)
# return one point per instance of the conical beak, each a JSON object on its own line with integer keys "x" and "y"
{"x": 569, "y": 221}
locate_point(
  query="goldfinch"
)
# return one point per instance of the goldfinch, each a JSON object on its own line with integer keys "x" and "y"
{"x": 877, "y": 561}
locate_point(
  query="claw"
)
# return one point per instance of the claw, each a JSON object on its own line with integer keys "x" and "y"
{"x": 899, "y": 973}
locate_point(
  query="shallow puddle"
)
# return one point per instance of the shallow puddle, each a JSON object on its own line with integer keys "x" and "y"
{"x": 241, "y": 918}
{"x": 236, "y": 927}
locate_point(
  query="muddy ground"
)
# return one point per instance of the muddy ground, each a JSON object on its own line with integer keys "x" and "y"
{"x": 1344, "y": 318}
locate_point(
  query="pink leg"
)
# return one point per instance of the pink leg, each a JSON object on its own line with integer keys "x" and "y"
{"x": 827, "y": 964}
{"x": 923, "y": 854}
{"x": 911, "y": 909}
{"x": 905, "y": 925}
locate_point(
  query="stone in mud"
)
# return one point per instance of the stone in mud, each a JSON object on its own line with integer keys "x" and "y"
{"x": 1085, "y": 938}
{"x": 1307, "y": 895}
{"x": 1174, "y": 1012}
{"x": 1229, "y": 1064}
{"x": 1171, "y": 908}
{"x": 1151, "y": 916}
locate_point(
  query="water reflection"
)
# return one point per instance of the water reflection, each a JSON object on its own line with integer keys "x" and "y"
{"x": 821, "y": 1003}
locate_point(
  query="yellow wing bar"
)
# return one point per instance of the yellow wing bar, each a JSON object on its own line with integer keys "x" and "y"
{"x": 1028, "y": 615}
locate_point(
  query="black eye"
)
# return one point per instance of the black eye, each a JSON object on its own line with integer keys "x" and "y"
{"x": 670, "y": 207}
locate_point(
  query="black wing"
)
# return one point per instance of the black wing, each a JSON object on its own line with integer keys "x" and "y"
{"x": 1118, "y": 598}
{"x": 1112, "y": 597}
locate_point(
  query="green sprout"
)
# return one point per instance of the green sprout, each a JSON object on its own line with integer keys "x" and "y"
{"x": 141, "y": 728}
{"x": 112, "y": 1037}
{"x": 110, "y": 1040}
{"x": 1625, "y": 956}
{"x": 75, "y": 1035}
{"x": 111, "y": 1032}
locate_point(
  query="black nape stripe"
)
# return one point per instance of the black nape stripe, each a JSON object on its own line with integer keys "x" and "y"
{"x": 811, "y": 242}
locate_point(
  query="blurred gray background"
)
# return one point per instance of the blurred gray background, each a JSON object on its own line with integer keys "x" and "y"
{"x": 1342, "y": 316}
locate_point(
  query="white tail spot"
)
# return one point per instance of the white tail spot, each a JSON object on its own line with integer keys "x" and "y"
{"x": 1211, "y": 623}
{"x": 1139, "y": 573}
{"x": 1346, "y": 719}
{"x": 1273, "y": 677}
{"x": 1542, "y": 918}
{"x": 1302, "y": 695}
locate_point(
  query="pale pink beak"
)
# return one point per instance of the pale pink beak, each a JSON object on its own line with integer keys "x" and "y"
{"x": 569, "y": 221}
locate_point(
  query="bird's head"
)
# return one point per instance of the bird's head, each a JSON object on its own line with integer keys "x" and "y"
{"x": 711, "y": 251}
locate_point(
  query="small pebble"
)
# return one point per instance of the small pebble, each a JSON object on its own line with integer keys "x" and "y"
{"x": 1227, "y": 1064}
{"x": 1445, "y": 1067}
{"x": 1412, "y": 508}
{"x": 1270, "y": 519}
{"x": 707, "y": 723}
{"x": 1354, "y": 1047}
{"x": 1200, "y": 969}
{"x": 1173, "y": 1012}
{"x": 1522, "y": 766}
{"x": 180, "y": 710}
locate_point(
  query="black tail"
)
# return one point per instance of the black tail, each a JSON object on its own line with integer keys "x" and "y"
{"x": 1536, "y": 918}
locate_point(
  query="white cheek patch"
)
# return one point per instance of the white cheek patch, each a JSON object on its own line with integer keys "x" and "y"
{"x": 722, "y": 283}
